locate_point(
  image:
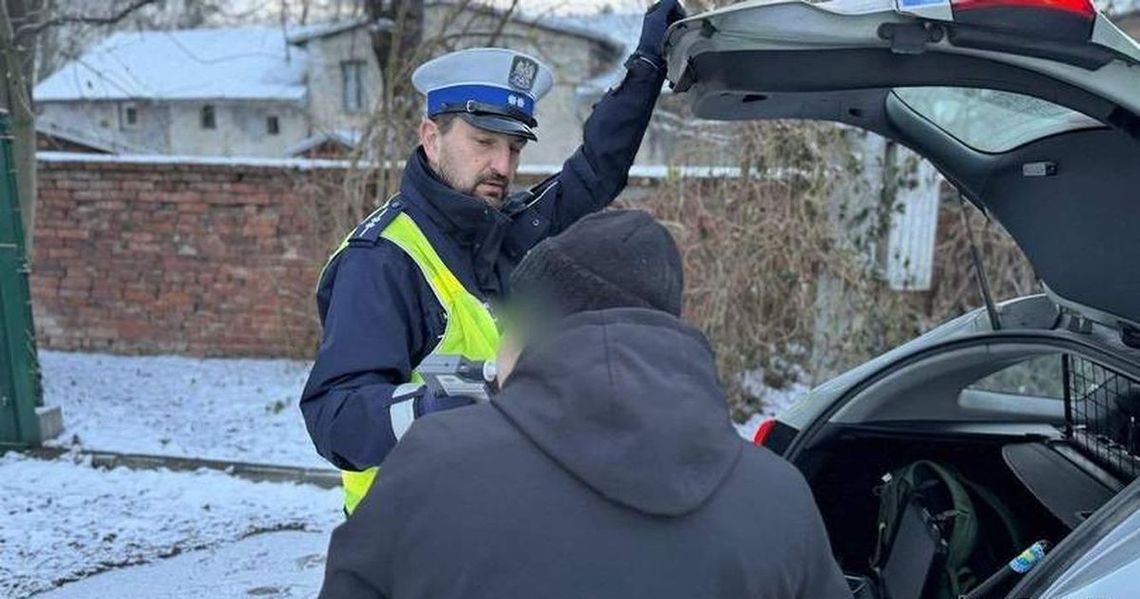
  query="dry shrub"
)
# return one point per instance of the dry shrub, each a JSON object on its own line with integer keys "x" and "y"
{"x": 777, "y": 268}
{"x": 756, "y": 247}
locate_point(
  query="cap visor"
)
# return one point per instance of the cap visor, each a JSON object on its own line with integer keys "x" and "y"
{"x": 499, "y": 124}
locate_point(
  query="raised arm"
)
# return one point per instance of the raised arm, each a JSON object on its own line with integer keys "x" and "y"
{"x": 597, "y": 172}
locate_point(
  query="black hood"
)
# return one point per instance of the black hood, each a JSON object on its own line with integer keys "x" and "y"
{"x": 628, "y": 401}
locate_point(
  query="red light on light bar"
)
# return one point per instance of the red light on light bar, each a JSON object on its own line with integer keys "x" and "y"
{"x": 762, "y": 433}
{"x": 1082, "y": 8}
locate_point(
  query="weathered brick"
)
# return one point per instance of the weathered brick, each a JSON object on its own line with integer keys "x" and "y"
{"x": 208, "y": 260}
{"x": 193, "y": 207}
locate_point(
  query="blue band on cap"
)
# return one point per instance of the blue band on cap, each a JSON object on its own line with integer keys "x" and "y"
{"x": 486, "y": 94}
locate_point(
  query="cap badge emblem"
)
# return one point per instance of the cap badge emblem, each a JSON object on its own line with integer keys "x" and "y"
{"x": 523, "y": 73}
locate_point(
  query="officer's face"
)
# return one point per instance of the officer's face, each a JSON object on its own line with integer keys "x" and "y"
{"x": 471, "y": 160}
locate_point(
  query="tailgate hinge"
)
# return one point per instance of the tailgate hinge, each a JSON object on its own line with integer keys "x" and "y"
{"x": 910, "y": 38}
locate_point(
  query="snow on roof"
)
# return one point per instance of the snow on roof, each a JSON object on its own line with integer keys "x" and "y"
{"x": 233, "y": 63}
{"x": 348, "y": 138}
{"x": 87, "y": 138}
{"x": 622, "y": 29}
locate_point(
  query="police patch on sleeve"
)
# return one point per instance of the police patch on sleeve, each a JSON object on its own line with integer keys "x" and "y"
{"x": 523, "y": 73}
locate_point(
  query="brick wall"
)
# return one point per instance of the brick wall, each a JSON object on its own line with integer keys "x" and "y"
{"x": 201, "y": 259}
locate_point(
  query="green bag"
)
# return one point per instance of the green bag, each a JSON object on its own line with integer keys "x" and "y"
{"x": 962, "y": 509}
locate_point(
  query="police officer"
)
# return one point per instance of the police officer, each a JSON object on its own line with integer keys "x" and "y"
{"x": 418, "y": 275}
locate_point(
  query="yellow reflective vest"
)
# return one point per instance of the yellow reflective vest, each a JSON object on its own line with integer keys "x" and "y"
{"x": 470, "y": 331}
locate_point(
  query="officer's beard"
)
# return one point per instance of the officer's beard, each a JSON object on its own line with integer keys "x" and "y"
{"x": 479, "y": 188}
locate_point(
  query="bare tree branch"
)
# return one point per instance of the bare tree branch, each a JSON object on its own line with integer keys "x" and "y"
{"x": 33, "y": 30}
{"x": 494, "y": 41}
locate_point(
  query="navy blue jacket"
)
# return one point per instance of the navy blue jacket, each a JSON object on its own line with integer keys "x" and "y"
{"x": 378, "y": 313}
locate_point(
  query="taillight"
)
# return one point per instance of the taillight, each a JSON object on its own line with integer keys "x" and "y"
{"x": 762, "y": 433}
{"x": 1083, "y": 8}
{"x": 1060, "y": 20}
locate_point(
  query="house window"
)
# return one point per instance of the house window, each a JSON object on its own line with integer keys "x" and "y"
{"x": 209, "y": 119}
{"x": 273, "y": 125}
{"x": 128, "y": 116}
{"x": 352, "y": 76}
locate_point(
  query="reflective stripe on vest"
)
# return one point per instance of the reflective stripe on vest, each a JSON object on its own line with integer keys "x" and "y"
{"x": 470, "y": 330}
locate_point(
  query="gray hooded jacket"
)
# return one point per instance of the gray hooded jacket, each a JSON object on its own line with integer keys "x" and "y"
{"x": 606, "y": 467}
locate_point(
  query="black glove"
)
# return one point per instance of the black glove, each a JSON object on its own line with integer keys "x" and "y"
{"x": 428, "y": 403}
{"x": 411, "y": 401}
{"x": 657, "y": 20}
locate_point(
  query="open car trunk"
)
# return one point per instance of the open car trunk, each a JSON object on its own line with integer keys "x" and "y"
{"x": 1042, "y": 134}
{"x": 1048, "y": 486}
{"x": 1046, "y": 478}
{"x": 846, "y": 471}
{"x": 1040, "y": 128}
{"x": 1049, "y": 476}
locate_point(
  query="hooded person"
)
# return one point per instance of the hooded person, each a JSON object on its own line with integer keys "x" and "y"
{"x": 606, "y": 466}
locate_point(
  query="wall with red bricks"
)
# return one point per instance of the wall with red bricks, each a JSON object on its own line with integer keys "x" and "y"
{"x": 203, "y": 259}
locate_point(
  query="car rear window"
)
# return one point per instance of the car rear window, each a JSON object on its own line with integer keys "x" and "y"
{"x": 1040, "y": 377}
{"x": 989, "y": 120}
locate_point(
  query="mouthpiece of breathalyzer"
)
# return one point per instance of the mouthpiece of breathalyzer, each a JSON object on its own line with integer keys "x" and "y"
{"x": 490, "y": 371}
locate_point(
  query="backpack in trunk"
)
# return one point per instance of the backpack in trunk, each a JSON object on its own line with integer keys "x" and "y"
{"x": 974, "y": 529}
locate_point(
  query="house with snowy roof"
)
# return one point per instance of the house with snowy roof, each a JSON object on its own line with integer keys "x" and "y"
{"x": 303, "y": 91}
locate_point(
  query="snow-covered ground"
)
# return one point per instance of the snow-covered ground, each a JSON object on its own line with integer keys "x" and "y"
{"x": 227, "y": 409}
{"x": 62, "y": 520}
{"x": 774, "y": 400}
{"x": 278, "y": 564}
{"x": 182, "y": 534}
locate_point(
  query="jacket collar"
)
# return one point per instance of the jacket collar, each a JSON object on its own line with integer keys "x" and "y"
{"x": 466, "y": 219}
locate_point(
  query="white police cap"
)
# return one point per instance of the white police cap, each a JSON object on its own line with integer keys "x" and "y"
{"x": 492, "y": 88}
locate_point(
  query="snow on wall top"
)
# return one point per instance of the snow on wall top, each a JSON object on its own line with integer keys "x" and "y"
{"x": 635, "y": 172}
{"x": 240, "y": 63}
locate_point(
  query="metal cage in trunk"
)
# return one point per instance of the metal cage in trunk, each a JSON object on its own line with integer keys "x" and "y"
{"x": 1102, "y": 415}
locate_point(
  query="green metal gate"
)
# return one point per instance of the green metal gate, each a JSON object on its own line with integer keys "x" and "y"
{"x": 20, "y": 392}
